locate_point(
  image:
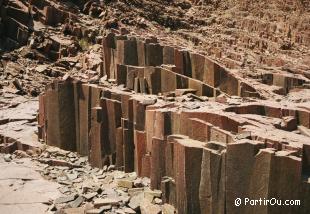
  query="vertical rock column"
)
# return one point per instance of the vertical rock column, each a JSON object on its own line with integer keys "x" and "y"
{"x": 96, "y": 137}
{"x": 60, "y": 115}
{"x": 212, "y": 184}
{"x": 187, "y": 161}
{"x": 305, "y": 183}
{"x": 108, "y": 44}
{"x": 41, "y": 118}
{"x": 153, "y": 54}
{"x": 285, "y": 181}
{"x": 160, "y": 126}
{"x": 153, "y": 79}
{"x": 168, "y": 184}
{"x": 198, "y": 66}
{"x": 84, "y": 118}
{"x": 128, "y": 135}
{"x": 114, "y": 122}
{"x": 247, "y": 170}
{"x": 139, "y": 133}
{"x": 126, "y": 53}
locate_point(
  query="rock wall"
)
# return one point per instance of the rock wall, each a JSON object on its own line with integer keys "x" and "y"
{"x": 167, "y": 115}
{"x": 131, "y": 61}
{"x": 18, "y": 19}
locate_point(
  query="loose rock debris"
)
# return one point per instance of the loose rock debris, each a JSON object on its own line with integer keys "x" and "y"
{"x": 86, "y": 189}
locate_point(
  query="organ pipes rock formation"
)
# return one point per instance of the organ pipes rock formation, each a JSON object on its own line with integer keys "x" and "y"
{"x": 175, "y": 117}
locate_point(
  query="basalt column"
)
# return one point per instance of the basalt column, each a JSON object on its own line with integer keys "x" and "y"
{"x": 60, "y": 115}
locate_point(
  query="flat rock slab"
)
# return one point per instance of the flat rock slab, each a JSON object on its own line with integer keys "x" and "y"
{"x": 23, "y": 111}
{"x": 23, "y": 190}
{"x": 19, "y": 122}
{"x": 21, "y": 131}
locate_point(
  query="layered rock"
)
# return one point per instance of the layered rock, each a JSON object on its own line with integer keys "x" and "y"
{"x": 171, "y": 118}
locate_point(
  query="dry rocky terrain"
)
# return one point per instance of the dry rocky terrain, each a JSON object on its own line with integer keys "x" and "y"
{"x": 140, "y": 106}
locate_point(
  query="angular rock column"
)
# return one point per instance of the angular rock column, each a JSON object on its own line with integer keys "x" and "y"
{"x": 140, "y": 150}
{"x": 41, "y": 118}
{"x": 60, "y": 115}
{"x": 168, "y": 55}
{"x": 153, "y": 79}
{"x": 212, "y": 75}
{"x": 96, "y": 152}
{"x": 128, "y": 132}
{"x": 285, "y": 181}
{"x": 84, "y": 118}
{"x": 153, "y": 54}
{"x": 244, "y": 169}
{"x": 114, "y": 121}
{"x": 198, "y": 66}
{"x": 127, "y": 52}
{"x": 168, "y": 81}
{"x": 212, "y": 184}
{"x": 187, "y": 165}
{"x": 157, "y": 162}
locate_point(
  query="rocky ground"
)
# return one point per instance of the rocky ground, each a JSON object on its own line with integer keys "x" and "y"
{"x": 58, "y": 181}
{"x": 36, "y": 178}
{"x": 252, "y": 39}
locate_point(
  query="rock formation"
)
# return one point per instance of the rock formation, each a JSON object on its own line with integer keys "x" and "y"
{"x": 186, "y": 122}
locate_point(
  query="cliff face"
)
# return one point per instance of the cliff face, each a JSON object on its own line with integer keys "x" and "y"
{"x": 203, "y": 135}
{"x": 239, "y": 34}
{"x": 15, "y": 22}
{"x": 286, "y": 5}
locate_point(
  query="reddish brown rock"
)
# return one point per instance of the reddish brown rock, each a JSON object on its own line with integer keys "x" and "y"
{"x": 187, "y": 166}
{"x": 153, "y": 54}
{"x": 212, "y": 187}
{"x": 60, "y": 115}
{"x": 84, "y": 118}
{"x": 140, "y": 151}
{"x": 157, "y": 162}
